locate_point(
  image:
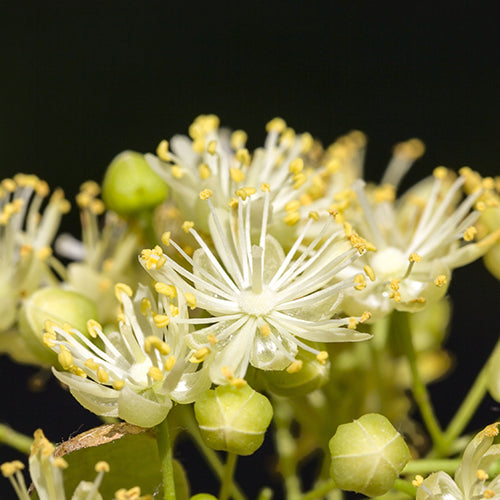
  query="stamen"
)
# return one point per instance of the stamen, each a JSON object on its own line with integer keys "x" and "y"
{"x": 295, "y": 366}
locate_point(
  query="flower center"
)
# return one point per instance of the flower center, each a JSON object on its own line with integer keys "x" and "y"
{"x": 389, "y": 263}
{"x": 257, "y": 304}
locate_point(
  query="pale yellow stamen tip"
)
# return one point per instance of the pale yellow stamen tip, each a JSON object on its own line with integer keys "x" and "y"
{"x": 414, "y": 257}
{"x": 233, "y": 203}
{"x": 237, "y": 175}
{"x": 48, "y": 339}
{"x": 205, "y": 194}
{"x": 177, "y": 171}
{"x": 243, "y": 157}
{"x": 102, "y": 375}
{"x": 169, "y": 363}
{"x": 488, "y": 493}
{"x": 155, "y": 373}
{"x": 10, "y": 468}
{"x": 101, "y": 466}
{"x": 204, "y": 171}
{"x": 238, "y": 139}
{"x": 265, "y": 188}
{"x": 65, "y": 358}
{"x": 360, "y": 282}
{"x": 322, "y": 357}
{"x": 314, "y": 215}
{"x": 482, "y": 475}
{"x": 212, "y": 147}
{"x": 91, "y": 364}
{"x": 295, "y": 366}
{"x": 292, "y": 218}
{"x": 440, "y": 280}
{"x": 440, "y": 173}
{"x": 190, "y": 299}
{"x": 292, "y": 206}
{"x": 296, "y": 166}
{"x": 174, "y": 310}
{"x": 161, "y": 320}
{"x": 169, "y": 290}
{"x": 60, "y": 463}
{"x": 276, "y": 125}
{"x": 395, "y": 284}
{"x": 187, "y": 226}
{"x": 118, "y": 385}
{"x": 93, "y": 327}
{"x": 212, "y": 339}
{"x": 121, "y": 288}
{"x": 162, "y": 151}
{"x": 365, "y": 317}
{"x": 226, "y": 372}
{"x": 353, "y": 323}
{"x": 265, "y": 330}
{"x": 200, "y": 355}
{"x": 417, "y": 482}
{"x": 369, "y": 272}
{"x": 470, "y": 233}
{"x": 239, "y": 383}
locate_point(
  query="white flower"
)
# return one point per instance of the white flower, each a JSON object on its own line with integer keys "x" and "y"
{"x": 471, "y": 479}
{"x": 141, "y": 368}
{"x": 104, "y": 255}
{"x": 417, "y": 240}
{"x": 260, "y": 301}
{"x": 47, "y": 474}
{"x": 26, "y": 234}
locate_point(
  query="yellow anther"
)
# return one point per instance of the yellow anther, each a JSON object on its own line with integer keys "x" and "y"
{"x": 97, "y": 207}
{"x": 491, "y": 430}
{"x": 265, "y": 330}
{"x": 237, "y": 175}
{"x": 50, "y": 326}
{"x": 292, "y": 206}
{"x": 287, "y": 137}
{"x": 487, "y": 493}
{"x": 440, "y": 173}
{"x": 108, "y": 265}
{"x": 102, "y": 375}
{"x": 276, "y": 125}
{"x": 296, "y": 166}
{"x": 212, "y": 147}
{"x": 169, "y": 363}
{"x": 417, "y": 482}
{"x": 470, "y": 233}
{"x": 348, "y": 229}
{"x": 91, "y": 365}
{"x": 48, "y": 339}
{"x": 226, "y": 372}
{"x": 386, "y": 193}
{"x": 369, "y": 272}
{"x": 292, "y": 218}
{"x": 94, "y": 328}
{"x": 91, "y": 188}
{"x": 307, "y": 142}
{"x": 60, "y": 463}
{"x": 118, "y": 385}
{"x": 145, "y": 306}
{"x": 295, "y": 366}
{"x": 440, "y": 280}
{"x": 365, "y": 317}
{"x": 200, "y": 355}
{"x": 322, "y": 356}
{"x": 212, "y": 339}
{"x": 177, "y": 171}
{"x": 190, "y": 299}
{"x": 104, "y": 284}
{"x": 44, "y": 253}
{"x": 395, "y": 284}
{"x": 42, "y": 189}
{"x": 174, "y": 310}
{"x": 314, "y": 215}
{"x": 482, "y": 475}
{"x": 83, "y": 200}
{"x": 199, "y": 145}
{"x": 122, "y": 288}
{"x": 265, "y": 187}
{"x": 155, "y": 373}
{"x": 75, "y": 370}
{"x": 169, "y": 290}
{"x": 204, "y": 171}
{"x": 65, "y": 358}
{"x": 414, "y": 257}
{"x": 480, "y": 206}
{"x": 243, "y": 156}
{"x": 162, "y": 151}
{"x": 353, "y": 323}
{"x": 299, "y": 180}
{"x": 101, "y": 466}
{"x": 67, "y": 327}
{"x": 205, "y": 194}
{"x": 187, "y": 226}
{"x": 10, "y": 468}
{"x": 360, "y": 282}
{"x": 161, "y": 320}
{"x": 233, "y": 203}
{"x": 165, "y": 238}
{"x": 243, "y": 193}
{"x": 396, "y": 296}
{"x": 239, "y": 383}
{"x": 25, "y": 250}
{"x": 238, "y": 139}
{"x": 9, "y": 185}
{"x": 333, "y": 166}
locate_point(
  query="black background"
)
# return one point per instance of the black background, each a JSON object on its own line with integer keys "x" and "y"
{"x": 80, "y": 82}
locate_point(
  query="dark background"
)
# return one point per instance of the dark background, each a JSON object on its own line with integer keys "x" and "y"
{"x": 80, "y": 83}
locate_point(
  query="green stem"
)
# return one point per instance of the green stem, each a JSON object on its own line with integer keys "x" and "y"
{"x": 227, "y": 478}
{"x": 469, "y": 404}
{"x": 15, "y": 439}
{"x": 166, "y": 460}
{"x": 426, "y": 466}
{"x": 320, "y": 490}
{"x": 419, "y": 389}
{"x": 210, "y": 455}
{"x": 405, "y": 487}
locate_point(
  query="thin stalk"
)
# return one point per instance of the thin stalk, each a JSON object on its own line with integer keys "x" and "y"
{"x": 166, "y": 460}
{"x": 426, "y": 466}
{"x": 320, "y": 490}
{"x": 15, "y": 439}
{"x": 419, "y": 389}
{"x": 405, "y": 487}
{"x": 227, "y": 478}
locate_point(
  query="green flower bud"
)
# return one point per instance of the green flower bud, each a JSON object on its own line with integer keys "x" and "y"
{"x": 203, "y": 496}
{"x": 233, "y": 419}
{"x": 130, "y": 186}
{"x": 367, "y": 455}
{"x": 57, "y": 305}
{"x": 302, "y": 377}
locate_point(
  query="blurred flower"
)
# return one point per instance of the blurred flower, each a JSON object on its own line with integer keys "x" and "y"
{"x": 471, "y": 479}
{"x": 140, "y": 369}
{"x": 261, "y": 302}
